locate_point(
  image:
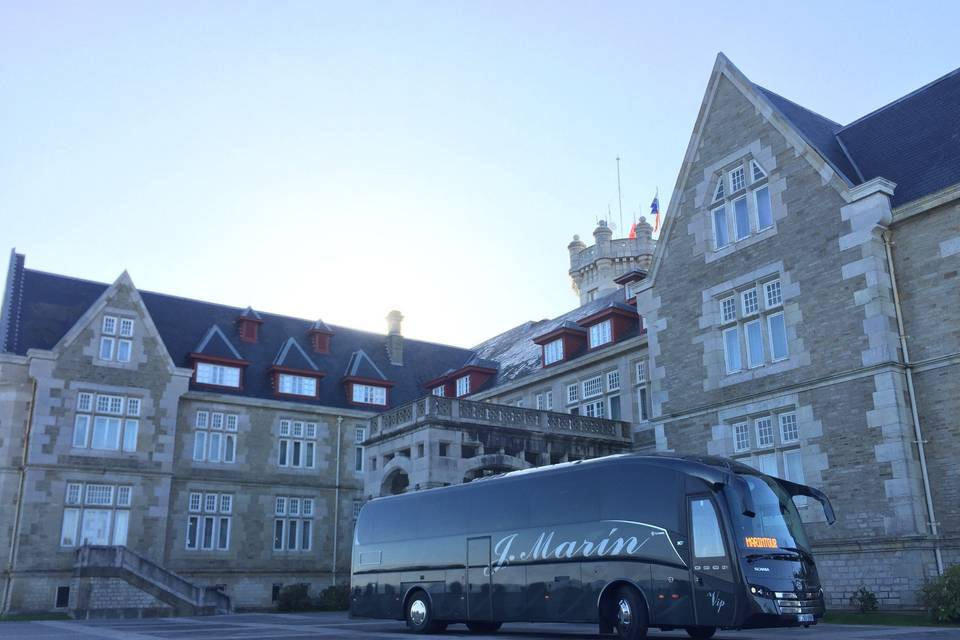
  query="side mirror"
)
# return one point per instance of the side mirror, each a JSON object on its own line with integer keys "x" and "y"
{"x": 795, "y": 489}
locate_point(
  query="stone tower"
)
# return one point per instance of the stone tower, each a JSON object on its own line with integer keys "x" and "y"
{"x": 594, "y": 270}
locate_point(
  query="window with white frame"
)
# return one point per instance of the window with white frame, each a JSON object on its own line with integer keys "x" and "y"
{"x": 293, "y": 524}
{"x": 369, "y": 394}
{"x": 95, "y": 514}
{"x": 439, "y": 391}
{"x": 297, "y": 385}
{"x": 101, "y": 422}
{"x": 593, "y": 409}
{"x": 463, "y": 386}
{"x": 209, "y": 521}
{"x": 743, "y": 211}
{"x": 115, "y": 343}
{"x": 600, "y": 333}
{"x": 215, "y": 437}
{"x": 573, "y": 393}
{"x": 593, "y": 386}
{"x": 218, "y": 375}
{"x": 754, "y": 332}
{"x": 741, "y": 436}
{"x": 764, "y": 428}
{"x": 553, "y": 351}
{"x": 613, "y": 380}
{"x": 641, "y": 371}
{"x": 297, "y": 445}
{"x": 789, "y": 432}
{"x": 539, "y": 401}
{"x": 359, "y": 435}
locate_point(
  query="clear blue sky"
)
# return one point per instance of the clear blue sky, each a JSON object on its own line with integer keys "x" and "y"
{"x": 339, "y": 160}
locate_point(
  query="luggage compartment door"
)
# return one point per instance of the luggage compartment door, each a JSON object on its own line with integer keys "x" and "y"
{"x": 479, "y": 576}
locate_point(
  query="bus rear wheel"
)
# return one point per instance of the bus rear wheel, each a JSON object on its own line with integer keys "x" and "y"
{"x": 629, "y": 615}
{"x": 420, "y": 616}
{"x": 483, "y": 627}
{"x": 701, "y": 633}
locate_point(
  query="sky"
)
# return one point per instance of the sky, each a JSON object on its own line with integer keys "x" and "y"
{"x": 339, "y": 160}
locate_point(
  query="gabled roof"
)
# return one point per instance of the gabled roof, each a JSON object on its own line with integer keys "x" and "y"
{"x": 50, "y": 304}
{"x": 292, "y": 356}
{"x": 516, "y": 352}
{"x": 250, "y": 314}
{"x": 818, "y": 131}
{"x": 319, "y": 326}
{"x": 361, "y": 366}
{"x": 215, "y": 344}
{"x": 913, "y": 141}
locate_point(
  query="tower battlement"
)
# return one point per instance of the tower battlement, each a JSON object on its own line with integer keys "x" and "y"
{"x": 594, "y": 269}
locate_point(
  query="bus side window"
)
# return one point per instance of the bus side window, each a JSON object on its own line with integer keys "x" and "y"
{"x": 707, "y": 538}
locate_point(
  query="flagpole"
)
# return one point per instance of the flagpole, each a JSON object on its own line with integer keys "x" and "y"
{"x": 619, "y": 195}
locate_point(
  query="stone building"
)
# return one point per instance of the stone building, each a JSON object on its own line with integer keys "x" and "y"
{"x": 800, "y": 312}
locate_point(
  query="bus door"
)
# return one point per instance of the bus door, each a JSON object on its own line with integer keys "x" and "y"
{"x": 479, "y": 575}
{"x": 711, "y": 569}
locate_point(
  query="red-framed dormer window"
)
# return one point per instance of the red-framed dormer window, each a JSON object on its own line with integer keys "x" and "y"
{"x": 296, "y": 383}
{"x": 223, "y": 373}
{"x": 365, "y": 392}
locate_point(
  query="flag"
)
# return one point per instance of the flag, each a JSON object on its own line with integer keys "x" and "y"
{"x": 633, "y": 231}
{"x": 655, "y": 212}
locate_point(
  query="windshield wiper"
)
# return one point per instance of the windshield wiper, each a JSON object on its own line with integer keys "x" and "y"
{"x": 750, "y": 557}
{"x": 803, "y": 552}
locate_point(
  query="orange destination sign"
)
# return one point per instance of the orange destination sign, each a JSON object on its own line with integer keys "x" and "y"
{"x": 755, "y": 542}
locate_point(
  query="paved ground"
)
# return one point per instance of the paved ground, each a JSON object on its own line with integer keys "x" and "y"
{"x": 259, "y": 626}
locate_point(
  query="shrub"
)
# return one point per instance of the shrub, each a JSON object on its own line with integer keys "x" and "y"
{"x": 295, "y": 597}
{"x": 941, "y": 597}
{"x": 864, "y": 600}
{"x": 335, "y": 598}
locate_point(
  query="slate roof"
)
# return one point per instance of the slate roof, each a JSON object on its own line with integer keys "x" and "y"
{"x": 913, "y": 141}
{"x": 517, "y": 354}
{"x": 49, "y": 305}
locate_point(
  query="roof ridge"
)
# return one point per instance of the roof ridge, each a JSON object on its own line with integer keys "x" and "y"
{"x": 907, "y": 96}
{"x": 236, "y": 308}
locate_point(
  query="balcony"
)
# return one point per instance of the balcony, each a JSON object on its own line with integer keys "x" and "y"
{"x": 461, "y": 412}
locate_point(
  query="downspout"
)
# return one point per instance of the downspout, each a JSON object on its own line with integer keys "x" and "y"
{"x": 15, "y": 537}
{"x": 911, "y": 394}
{"x": 336, "y": 500}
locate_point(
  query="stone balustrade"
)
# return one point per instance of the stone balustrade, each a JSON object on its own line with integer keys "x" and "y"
{"x": 469, "y": 412}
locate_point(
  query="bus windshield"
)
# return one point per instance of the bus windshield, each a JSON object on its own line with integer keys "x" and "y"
{"x": 777, "y": 522}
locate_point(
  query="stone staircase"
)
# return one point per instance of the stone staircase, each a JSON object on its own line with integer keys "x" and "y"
{"x": 115, "y": 582}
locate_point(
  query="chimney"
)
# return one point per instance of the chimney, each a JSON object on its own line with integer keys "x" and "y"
{"x": 394, "y": 338}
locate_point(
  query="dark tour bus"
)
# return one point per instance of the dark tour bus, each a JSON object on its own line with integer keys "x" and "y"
{"x": 628, "y": 542}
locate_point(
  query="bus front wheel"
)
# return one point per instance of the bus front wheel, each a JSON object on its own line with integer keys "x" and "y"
{"x": 629, "y": 614}
{"x": 420, "y": 615}
{"x": 701, "y": 633}
{"x": 483, "y": 627}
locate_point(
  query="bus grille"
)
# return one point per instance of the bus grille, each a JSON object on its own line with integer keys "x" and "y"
{"x": 801, "y": 602}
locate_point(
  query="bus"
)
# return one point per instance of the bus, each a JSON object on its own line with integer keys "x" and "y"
{"x": 628, "y": 542}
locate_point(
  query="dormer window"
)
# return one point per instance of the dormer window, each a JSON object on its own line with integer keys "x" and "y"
{"x": 369, "y": 394}
{"x": 217, "y": 374}
{"x": 553, "y": 351}
{"x": 439, "y": 391}
{"x": 600, "y": 334}
{"x": 320, "y": 335}
{"x": 297, "y": 385}
{"x": 249, "y": 325}
{"x": 463, "y": 386}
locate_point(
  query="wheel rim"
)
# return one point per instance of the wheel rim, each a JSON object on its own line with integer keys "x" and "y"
{"x": 624, "y": 614}
{"x": 418, "y": 612}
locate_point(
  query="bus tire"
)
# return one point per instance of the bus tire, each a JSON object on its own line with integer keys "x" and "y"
{"x": 629, "y": 614}
{"x": 419, "y": 614}
{"x": 483, "y": 627}
{"x": 701, "y": 633}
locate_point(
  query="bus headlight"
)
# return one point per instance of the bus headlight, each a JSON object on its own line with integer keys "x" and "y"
{"x": 761, "y": 592}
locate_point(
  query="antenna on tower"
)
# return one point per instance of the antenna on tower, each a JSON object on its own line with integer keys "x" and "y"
{"x": 619, "y": 194}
